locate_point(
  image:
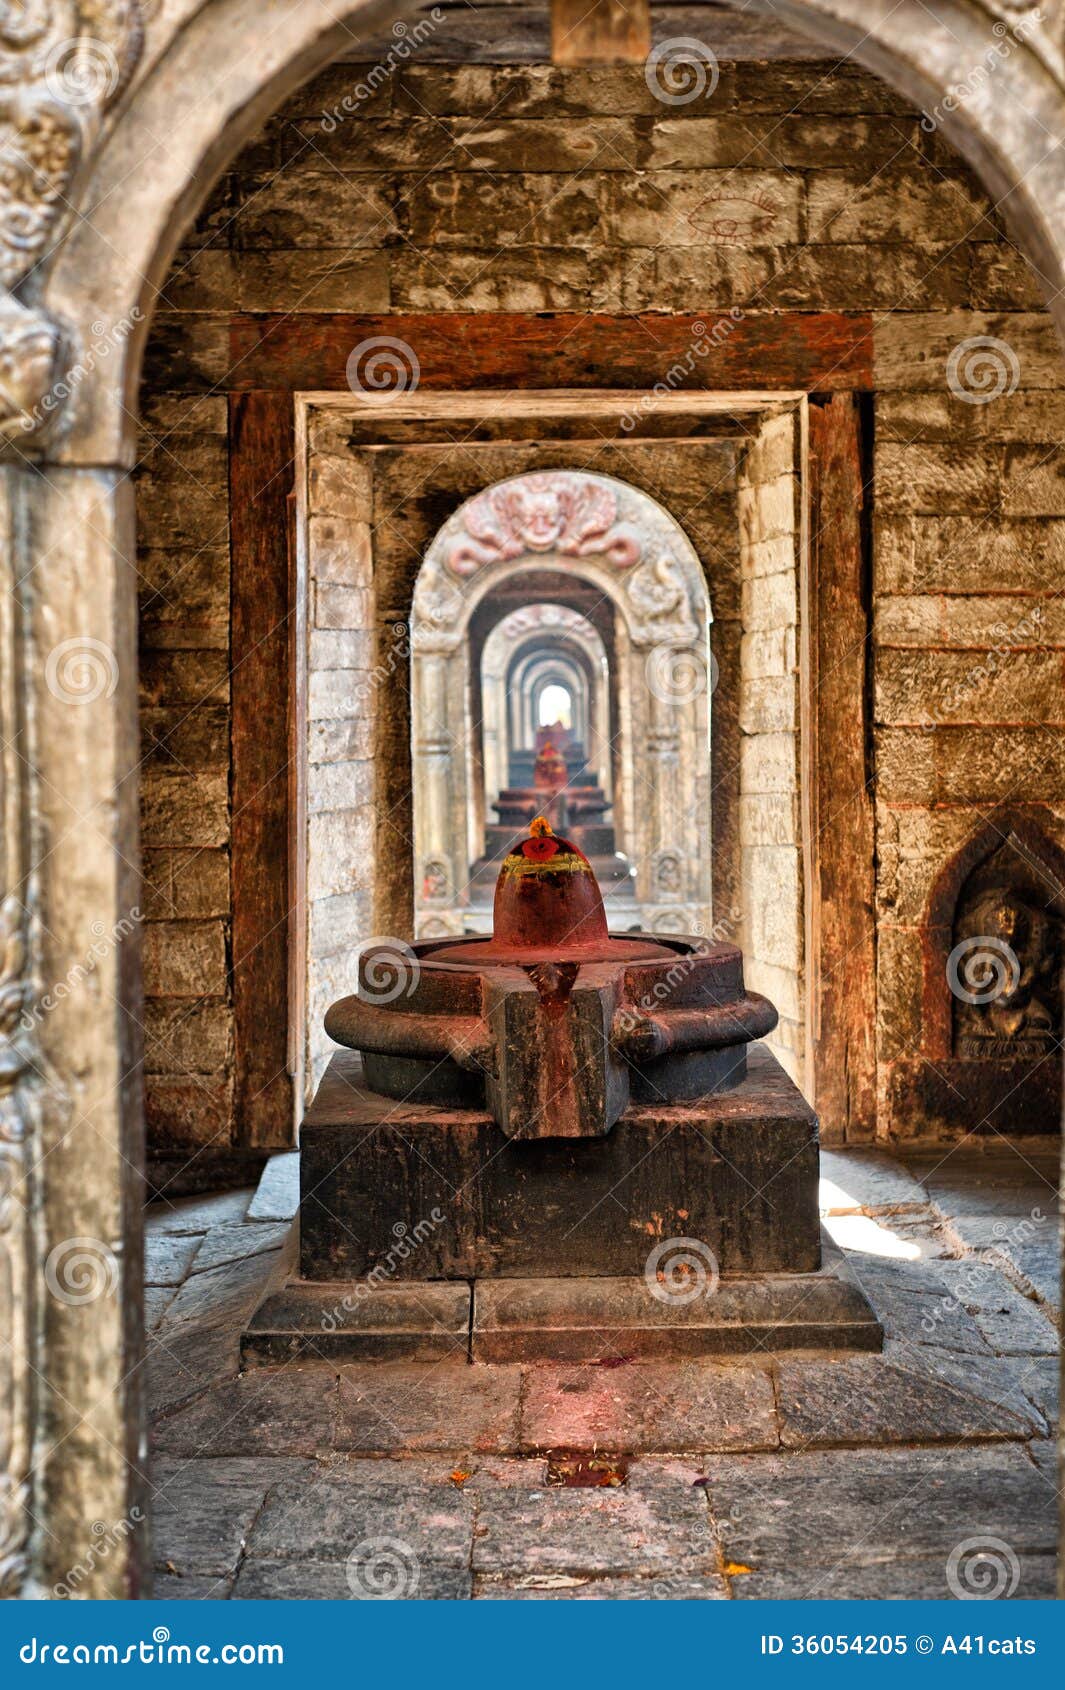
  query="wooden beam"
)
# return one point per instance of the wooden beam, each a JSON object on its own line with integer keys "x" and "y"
{"x": 261, "y": 446}
{"x": 600, "y": 32}
{"x": 842, "y": 964}
{"x": 795, "y": 351}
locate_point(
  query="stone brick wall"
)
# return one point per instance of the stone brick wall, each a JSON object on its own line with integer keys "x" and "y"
{"x": 770, "y": 824}
{"x": 183, "y": 563}
{"x": 801, "y": 187}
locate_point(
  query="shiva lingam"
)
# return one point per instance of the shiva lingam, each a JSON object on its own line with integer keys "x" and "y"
{"x": 528, "y": 1132}
{"x": 553, "y": 1025}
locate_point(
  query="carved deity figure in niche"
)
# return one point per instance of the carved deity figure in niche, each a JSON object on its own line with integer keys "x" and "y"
{"x": 668, "y": 874}
{"x": 1005, "y": 965}
{"x": 435, "y": 888}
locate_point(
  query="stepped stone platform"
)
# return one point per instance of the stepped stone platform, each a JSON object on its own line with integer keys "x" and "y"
{"x": 807, "y": 1474}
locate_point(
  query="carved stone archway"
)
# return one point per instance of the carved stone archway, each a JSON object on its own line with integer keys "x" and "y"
{"x": 515, "y": 641}
{"x": 95, "y": 208}
{"x": 622, "y": 542}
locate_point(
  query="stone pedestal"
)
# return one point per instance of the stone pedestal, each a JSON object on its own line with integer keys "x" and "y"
{"x": 425, "y": 1232}
{"x": 736, "y": 1170}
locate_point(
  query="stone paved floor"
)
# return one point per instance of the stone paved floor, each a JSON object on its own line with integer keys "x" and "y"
{"x": 924, "y": 1471}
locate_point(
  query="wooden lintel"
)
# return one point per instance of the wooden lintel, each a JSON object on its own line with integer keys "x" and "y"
{"x": 600, "y": 32}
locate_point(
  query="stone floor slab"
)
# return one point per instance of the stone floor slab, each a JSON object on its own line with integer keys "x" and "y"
{"x": 874, "y": 1400}
{"x": 237, "y": 1241}
{"x": 1047, "y": 1458}
{"x": 278, "y": 1195}
{"x": 157, "y": 1299}
{"x": 1038, "y": 1267}
{"x": 593, "y": 1531}
{"x": 199, "y": 1526}
{"x": 920, "y": 1308}
{"x": 329, "y": 1520}
{"x": 325, "y": 1581}
{"x": 180, "y": 1364}
{"x": 1000, "y": 1185}
{"x": 1010, "y": 1322}
{"x": 223, "y": 1295}
{"x": 469, "y": 1473}
{"x": 652, "y": 1406}
{"x": 196, "y": 1214}
{"x": 166, "y": 1588}
{"x": 168, "y": 1257}
{"x": 867, "y": 1181}
{"x": 865, "y": 1508}
{"x": 1007, "y": 1384}
{"x": 219, "y": 1471}
{"x": 887, "y": 1238}
{"x": 900, "y": 1581}
{"x": 418, "y": 1407}
{"x": 272, "y": 1411}
{"x": 579, "y": 1587}
{"x": 1040, "y": 1381}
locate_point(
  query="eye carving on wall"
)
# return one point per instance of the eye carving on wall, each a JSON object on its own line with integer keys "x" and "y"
{"x": 733, "y": 219}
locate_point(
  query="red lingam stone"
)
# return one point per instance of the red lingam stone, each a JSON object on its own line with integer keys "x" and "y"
{"x": 549, "y": 771}
{"x": 548, "y": 908}
{"x": 547, "y": 896}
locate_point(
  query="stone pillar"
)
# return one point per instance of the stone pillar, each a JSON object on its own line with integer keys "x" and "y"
{"x": 70, "y": 1037}
{"x": 433, "y": 763}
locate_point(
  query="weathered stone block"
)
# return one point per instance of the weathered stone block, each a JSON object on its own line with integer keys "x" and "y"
{"x": 181, "y": 884}
{"x": 339, "y": 844}
{"x": 341, "y": 607}
{"x": 911, "y": 348}
{"x": 261, "y": 1580}
{"x": 270, "y": 1411}
{"x": 867, "y": 1400}
{"x": 946, "y": 687}
{"x": 649, "y": 1406}
{"x": 339, "y": 551}
{"x": 339, "y": 487}
{"x": 768, "y": 763}
{"x": 515, "y": 210}
{"x": 694, "y": 208}
{"x": 895, "y": 206}
{"x": 187, "y": 1037}
{"x": 183, "y": 740}
{"x": 342, "y": 696}
{"x": 361, "y": 1321}
{"x": 184, "y": 677}
{"x": 447, "y": 1407}
{"x": 311, "y": 206}
{"x": 184, "y": 959}
{"x": 539, "y": 1207}
{"x": 769, "y": 818}
{"x": 514, "y": 278}
{"x": 603, "y": 1320}
{"x": 339, "y": 786}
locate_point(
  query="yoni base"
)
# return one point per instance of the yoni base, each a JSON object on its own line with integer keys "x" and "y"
{"x": 399, "y": 1191}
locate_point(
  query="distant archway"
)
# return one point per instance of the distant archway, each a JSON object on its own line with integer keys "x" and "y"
{"x": 600, "y": 530}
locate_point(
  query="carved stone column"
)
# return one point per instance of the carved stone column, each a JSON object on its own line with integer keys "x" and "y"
{"x": 70, "y": 1128}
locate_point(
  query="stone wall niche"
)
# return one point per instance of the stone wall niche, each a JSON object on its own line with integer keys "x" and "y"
{"x": 992, "y": 990}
